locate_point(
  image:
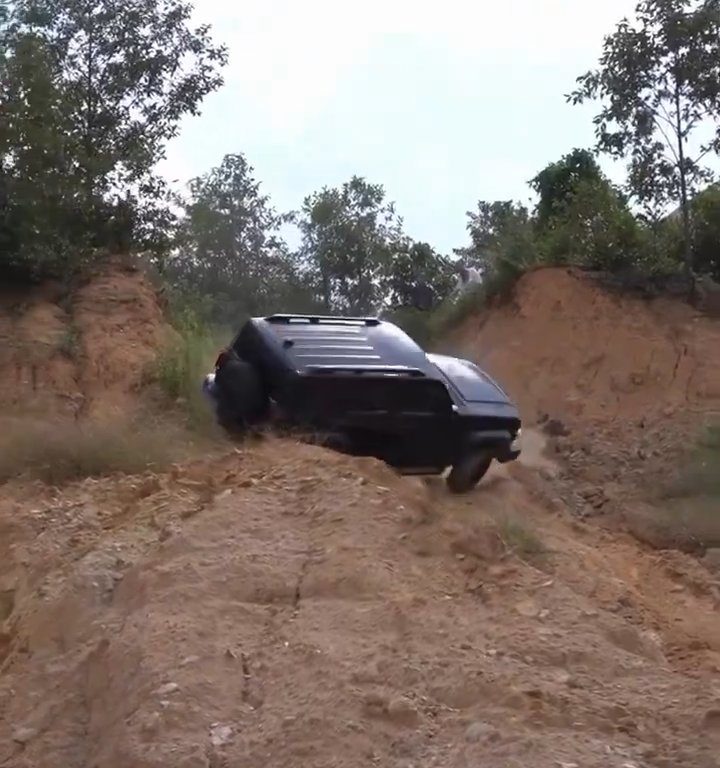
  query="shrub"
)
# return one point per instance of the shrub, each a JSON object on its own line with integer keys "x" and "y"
{"x": 180, "y": 367}
{"x": 519, "y": 539}
{"x": 593, "y": 228}
{"x": 415, "y": 322}
{"x": 497, "y": 283}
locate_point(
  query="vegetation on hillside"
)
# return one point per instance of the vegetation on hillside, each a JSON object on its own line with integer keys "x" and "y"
{"x": 91, "y": 91}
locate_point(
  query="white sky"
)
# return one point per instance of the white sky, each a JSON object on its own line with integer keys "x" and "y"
{"x": 443, "y": 103}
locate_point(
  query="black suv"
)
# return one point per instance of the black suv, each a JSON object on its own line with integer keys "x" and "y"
{"x": 369, "y": 390}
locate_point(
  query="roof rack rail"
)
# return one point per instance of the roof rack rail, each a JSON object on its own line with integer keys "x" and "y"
{"x": 397, "y": 370}
{"x": 321, "y": 319}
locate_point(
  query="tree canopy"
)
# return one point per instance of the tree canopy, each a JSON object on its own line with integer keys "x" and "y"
{"x": 229, "y": 247}
{"x": 92, "y": 90}
{"x": 658, "y": 82}
{"x": 349, "y": 236}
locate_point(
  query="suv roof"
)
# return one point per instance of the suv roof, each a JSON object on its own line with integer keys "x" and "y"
{"x": 319, "y": 344}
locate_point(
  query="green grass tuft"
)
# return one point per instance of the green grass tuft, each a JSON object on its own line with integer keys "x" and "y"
{"x": 180, "y": 367}
{"x": 519, "y": 539}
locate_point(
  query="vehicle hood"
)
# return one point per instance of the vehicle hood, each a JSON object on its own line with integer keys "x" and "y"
{"x": 469, "y": 381}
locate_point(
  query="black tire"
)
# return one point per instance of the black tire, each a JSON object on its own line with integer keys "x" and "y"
{"x": 242, "y": 400}
{"x": 468, "y": 472}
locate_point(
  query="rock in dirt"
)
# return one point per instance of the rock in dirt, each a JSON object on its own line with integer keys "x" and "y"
{"x": 555, "y": 428}
{"x": 528, "y": 609}
{"x": 399, "y": 710}
{"x": 712, "y": 560}
{"x": 403, "y": 712}
{"x": 481, "y": 733}
{"x": 196, "y": 759}
{"x": 7, "y": 603}
{"x": 151, "y": 725}
{"x": 167, "y": 689}
{"x": 711, "y": 720}
{"x": 220, "y": 735}
{"x": 24, "y": 735}
{"x": 374, "y": 704}
{"x": 630, "y": 640}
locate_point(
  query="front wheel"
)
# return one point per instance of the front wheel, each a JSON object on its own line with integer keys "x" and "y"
{"x": 468, "y": 471}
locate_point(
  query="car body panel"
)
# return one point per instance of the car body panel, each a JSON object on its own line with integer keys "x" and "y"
{"x": 472, "y": 384}
{"x": 308, "y": 344}
{"x": 367, "y": 379}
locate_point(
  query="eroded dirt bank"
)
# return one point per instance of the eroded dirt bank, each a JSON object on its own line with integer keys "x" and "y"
{"x": 81, "y": 353}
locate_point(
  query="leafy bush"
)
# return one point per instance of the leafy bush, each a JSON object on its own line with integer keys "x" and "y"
{"x": 593, "y": 228}
{"x": 180, "y": 367}
{"x": 454, "y": 311}
{"x": 518, "y": 538}
{"x": 706, "y": 234}
{"x": 496, "y": 284}
{"x": 415, "y": 322}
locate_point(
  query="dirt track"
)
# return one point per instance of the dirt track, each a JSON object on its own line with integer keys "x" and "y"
{"x": 286, "y": 606}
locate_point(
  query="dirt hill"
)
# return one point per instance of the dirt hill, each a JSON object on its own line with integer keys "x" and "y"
{"x": 285, "y": 606}
{"x": 566, "y": 347}
{"x": 72, "y": 354}
{"x": 623, "y": 385}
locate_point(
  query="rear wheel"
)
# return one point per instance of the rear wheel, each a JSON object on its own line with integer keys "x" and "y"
{"x": 468, "y": 471}
{"x": 241, "y": 397}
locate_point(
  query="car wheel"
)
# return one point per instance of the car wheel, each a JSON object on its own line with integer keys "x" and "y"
{"x": 468, "y": 472}
{"x": 241, "y": 397}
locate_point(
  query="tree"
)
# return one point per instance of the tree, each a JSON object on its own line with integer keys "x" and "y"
{"x": 413, "y": 266}
{"x": 705, "y": 208}
{"x": 229, "y": 249}
{"x": 593, "y": 227}
{"x": 582, "y": 218}
{"x": 349, "y": 237}
{"x": 706, "y": 233}
{"x": 502, "y": 238}
{"x": 557, "y": 182}
{"x": 112, "y": 79}
{"x": 659, "y": 80}
{"x": 42, "y": 211}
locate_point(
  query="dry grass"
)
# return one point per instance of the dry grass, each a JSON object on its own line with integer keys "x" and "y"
{"x": 180, "y": 368}
{"x": 519, "y": 539}
{"x": 60, "y": 453}
{"x": 700, "y": 474}
{"x": 684, "y": 514}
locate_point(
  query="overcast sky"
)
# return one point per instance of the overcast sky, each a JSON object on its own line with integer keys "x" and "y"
{"x": 444, "y": 103}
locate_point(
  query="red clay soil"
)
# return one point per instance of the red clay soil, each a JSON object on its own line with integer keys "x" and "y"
{"x": 285, "y": 606}
{"x": 565, "y": 347}
{"x": 83, "y": 354}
